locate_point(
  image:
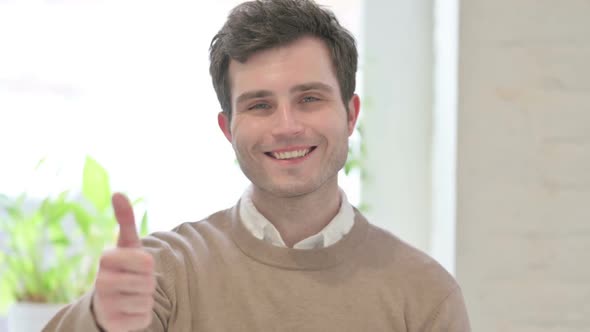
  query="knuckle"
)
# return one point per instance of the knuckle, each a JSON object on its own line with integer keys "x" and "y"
{"x": 109, "y": 258}
{"x": 104, "y": 283}
{"x": 148, "y": 261}
{"x": 100, "y": 284}
{"x": 104, "y": 259}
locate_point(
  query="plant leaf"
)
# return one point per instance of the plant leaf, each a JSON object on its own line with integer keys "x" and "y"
{"x": 95, "y": 185}
{"x": 55, "y": 211}
{"x": 137, "y": 201}
{"x": 143, "y": 229}
{"x": 83, "y": 219}
{"x": 42, "y": 261}
{"x": 40, "y": 163}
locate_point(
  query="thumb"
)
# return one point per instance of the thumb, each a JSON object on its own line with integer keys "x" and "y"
{"x": 128, "y": 237}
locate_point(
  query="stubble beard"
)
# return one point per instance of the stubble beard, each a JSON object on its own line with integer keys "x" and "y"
{"x": 297, "y": 187}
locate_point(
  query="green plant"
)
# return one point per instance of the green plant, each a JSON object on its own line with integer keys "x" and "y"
{"x": 50, "y": 252}
{"x": 357, "y": 153}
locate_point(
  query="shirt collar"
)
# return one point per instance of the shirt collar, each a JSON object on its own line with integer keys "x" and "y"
{"x": 263, "y": 229}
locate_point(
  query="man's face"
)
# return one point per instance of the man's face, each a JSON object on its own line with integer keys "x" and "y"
{"x": 289, "y": 127}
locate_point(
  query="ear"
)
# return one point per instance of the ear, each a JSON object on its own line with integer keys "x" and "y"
{"x": 224, "y": 125}
{"x": 354, "y": 107}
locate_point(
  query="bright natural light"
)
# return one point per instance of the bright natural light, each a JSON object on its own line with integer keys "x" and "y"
{"x": 128, "y": 84}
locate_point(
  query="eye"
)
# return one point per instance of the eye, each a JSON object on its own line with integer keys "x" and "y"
{"x": 309, "y": 99}
{"x": 259, "y": 106}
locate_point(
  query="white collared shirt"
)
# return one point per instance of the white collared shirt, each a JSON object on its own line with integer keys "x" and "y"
{"x": 264, "y": 230}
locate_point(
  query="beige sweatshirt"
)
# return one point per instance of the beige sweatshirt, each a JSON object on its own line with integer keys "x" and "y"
{"x": 214, "y": 275}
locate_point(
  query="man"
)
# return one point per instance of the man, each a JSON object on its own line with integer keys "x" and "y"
{"x": 293, "y": 254}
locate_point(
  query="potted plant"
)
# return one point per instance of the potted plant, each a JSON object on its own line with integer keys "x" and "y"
{"x": 49, "y": 251}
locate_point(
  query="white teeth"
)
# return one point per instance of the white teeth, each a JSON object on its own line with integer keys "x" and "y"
{"x": 290, "y": 154}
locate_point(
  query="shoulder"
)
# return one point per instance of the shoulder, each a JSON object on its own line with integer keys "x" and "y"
{"x": 428, "y": 290}
{"x": 412, "y": 271}
{"x": 187, "y": 231}
{"x": 413, "y": 265}
{"x": 188, "y": 238}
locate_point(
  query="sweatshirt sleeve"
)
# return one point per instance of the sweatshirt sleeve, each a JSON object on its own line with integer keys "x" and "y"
{"x": 451, "y": 315}
{"x": 78, "y": 316}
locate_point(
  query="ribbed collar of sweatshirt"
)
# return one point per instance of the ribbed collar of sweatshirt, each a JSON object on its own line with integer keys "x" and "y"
{"x": 262, "y": 229}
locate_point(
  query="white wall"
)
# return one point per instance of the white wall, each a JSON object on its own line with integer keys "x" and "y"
{"x": 523, "y": 230}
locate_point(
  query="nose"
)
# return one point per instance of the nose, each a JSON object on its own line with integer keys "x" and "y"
{"x": 286, "y": 122}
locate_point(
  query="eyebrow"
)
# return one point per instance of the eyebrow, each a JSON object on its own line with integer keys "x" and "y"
{"x": 297, "y": 88}
{"x": 311, "y": 86}
{"x": 253, "y": 95}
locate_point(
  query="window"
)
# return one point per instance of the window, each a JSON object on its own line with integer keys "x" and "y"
{"x": 127, "y": 83}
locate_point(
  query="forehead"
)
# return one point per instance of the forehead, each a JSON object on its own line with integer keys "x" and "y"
{"x": 278, "y": 69}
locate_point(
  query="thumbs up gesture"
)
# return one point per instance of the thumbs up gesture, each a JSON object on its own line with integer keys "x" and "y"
{"x": 125, "y": 283}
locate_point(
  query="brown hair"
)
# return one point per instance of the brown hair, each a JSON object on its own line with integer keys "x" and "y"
{"x": 263, "y": 24}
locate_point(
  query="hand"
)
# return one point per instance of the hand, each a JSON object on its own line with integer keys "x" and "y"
{"x": 125, "y": 283}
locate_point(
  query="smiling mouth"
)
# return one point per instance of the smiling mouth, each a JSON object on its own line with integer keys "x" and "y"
{"x": 287, "y": 155}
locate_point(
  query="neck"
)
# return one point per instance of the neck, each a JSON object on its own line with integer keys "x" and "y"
{"x": 299, "y": 217}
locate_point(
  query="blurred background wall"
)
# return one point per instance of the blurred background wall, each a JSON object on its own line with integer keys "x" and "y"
{"x": 478, "y": 139}
{"x": 523, "y": 193}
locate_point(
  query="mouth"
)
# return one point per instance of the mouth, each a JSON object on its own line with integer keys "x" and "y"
{"x": 291, "y": 153}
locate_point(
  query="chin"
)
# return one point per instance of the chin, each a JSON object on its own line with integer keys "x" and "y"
{"x": 290, "y": 190}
